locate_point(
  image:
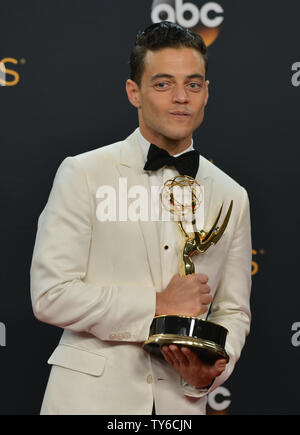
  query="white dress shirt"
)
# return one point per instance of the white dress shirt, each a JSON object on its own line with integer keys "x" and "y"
{"x": 170, "y": 235}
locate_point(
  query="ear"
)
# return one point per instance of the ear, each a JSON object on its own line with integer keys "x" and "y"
{"x": 133, "y": 93}
{"x": 207, "y": 92}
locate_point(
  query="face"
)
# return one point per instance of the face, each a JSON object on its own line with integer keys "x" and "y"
{"x": 172, "y": 96}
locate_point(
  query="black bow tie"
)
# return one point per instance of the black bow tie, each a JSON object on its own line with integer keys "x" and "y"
{"x": 186, "y": 164}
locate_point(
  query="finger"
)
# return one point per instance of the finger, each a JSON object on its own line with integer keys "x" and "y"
{"x": 192, "y": 399}
{"x": 204, "y": 289}
{"x": 204, "y": 308}
{"x": 191, "y": 356}
{"x": 206, "y": 299}
{"x": 179, "y": 355}
{"x": 168, "y": 355}
{"x": 219, "y": 366}
{"x": 201, "y": 277}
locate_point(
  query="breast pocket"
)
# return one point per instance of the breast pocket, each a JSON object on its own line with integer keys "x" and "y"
{"x": 78, "y": 359}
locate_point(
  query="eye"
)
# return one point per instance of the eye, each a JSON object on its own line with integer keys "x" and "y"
{"x": 161, "y": 85}
{"x": 195, "y": 86}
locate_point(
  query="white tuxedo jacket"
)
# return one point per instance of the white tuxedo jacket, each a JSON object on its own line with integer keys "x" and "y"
{"x": 98, "y": 281}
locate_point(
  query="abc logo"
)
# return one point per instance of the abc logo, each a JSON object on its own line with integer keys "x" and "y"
{"x": 204, "y": 20}
{"x": 223, "y": 401}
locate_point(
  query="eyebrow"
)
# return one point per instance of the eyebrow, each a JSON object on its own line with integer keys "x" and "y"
{"x": 169, "y": 76}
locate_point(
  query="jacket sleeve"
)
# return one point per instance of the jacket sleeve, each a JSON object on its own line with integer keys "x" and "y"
{"x": 60, "y": 295}
{"x": 231, "y": 304}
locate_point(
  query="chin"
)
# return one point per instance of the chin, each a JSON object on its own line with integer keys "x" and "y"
{"x": 178, "y": 134}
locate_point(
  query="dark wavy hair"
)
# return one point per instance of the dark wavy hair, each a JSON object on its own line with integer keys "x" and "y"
{"x": 158, "y": 36}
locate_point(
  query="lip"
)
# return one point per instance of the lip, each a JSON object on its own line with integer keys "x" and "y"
{"x": 180, "y": 114}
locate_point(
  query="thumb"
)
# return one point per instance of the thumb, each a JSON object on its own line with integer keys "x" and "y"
{"x": 219, "y": 366}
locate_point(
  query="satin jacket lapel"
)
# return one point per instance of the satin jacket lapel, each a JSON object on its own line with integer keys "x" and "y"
{"x": 212, "y": 201}
{"x": 131, "y": 167}
{"x": 207, "y": 182}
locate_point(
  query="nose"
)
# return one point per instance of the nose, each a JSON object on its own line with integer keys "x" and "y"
{"x": 180, "y": 94}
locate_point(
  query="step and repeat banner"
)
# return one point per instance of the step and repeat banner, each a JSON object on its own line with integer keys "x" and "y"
{"x": 63, "y": 67}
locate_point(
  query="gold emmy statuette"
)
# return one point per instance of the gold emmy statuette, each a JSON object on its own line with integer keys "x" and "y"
{"x": 205, "y": 338}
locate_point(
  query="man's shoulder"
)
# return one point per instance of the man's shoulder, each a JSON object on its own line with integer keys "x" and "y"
{"x": 105, "y": 155}
{"x": 223, "y": 181}
{"x": 109, "y": 152}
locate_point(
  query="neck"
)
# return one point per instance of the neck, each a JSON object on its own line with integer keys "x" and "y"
{"x": 173, "y": 146}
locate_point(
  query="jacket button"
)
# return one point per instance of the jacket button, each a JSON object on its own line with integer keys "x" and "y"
{"x": 149, "y": 379}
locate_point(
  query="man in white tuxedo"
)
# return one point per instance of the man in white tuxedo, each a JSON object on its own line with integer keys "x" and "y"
{"x": 103, "y": 280}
